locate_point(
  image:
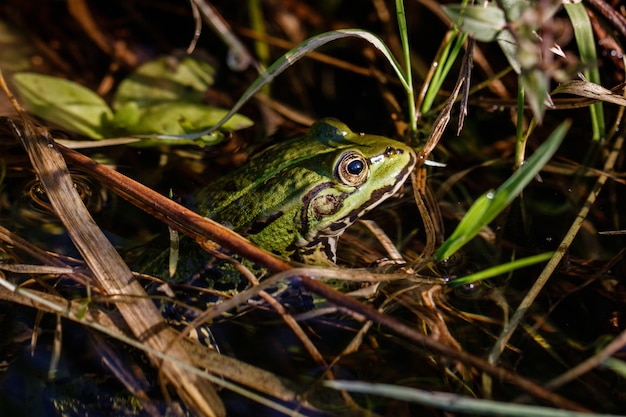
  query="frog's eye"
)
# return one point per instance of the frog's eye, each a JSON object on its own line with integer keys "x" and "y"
{"x": 352, "y": 169}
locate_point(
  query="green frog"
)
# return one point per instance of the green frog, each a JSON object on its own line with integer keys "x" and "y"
{"x": 297, "y": 197}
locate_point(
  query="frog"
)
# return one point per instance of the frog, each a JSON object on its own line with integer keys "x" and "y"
{"x": 296, "y": 198}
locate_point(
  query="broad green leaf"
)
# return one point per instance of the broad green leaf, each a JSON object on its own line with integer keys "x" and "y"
{"x": 126, "y": 116}
{"x": 178, "y": 118}
{"x": 294, "y": 55}
{"x": 483, "y": 23}
{"x": 165, "y": 79}
{"x": 163, "y": 97}
{"x": 488, "y": 206}
{"x": 64, "y": 103}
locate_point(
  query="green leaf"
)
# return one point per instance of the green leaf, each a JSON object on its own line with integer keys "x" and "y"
{"x": 64, "y": 103}
{"x": 489, "y": 205}
{"x": 514, "y": 8}
{"x": 483, "y": 23}
{"x": 179, "y": 118}
{"x": 508, "y": 45}
{"x": 165, "y": 79}
{"x": 163, "y": 98}
{"x": 125, "y": 117}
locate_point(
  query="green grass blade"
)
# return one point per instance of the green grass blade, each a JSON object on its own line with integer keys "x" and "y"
{"x": 489, "y": 205}
{"x": 616, "y": 365}
{"x": 501, "y": 269}
{"x": 587, "y": 50}
{"x": 448, "y": 56}
{"x": 294, "y": 55}
{"x": 454, "y": 402}
{"x": 404, "y": 38}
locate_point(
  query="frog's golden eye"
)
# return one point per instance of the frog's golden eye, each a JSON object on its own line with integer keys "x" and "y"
{"x": 352, "y": 169}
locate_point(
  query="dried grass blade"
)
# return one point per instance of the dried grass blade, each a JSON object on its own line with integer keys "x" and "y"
{"x": 203, "y": 357}
{"x": 111, "y": 273}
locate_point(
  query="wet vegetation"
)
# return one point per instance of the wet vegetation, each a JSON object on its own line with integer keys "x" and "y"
{"x": 492, "y": 284}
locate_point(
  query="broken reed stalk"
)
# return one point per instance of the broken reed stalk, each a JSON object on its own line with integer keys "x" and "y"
{"x": 110, "y": 272}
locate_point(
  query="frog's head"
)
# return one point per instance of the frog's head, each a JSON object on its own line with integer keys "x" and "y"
{"x": 359, "y": 172}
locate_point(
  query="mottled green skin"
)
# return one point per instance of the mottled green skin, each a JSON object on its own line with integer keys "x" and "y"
{"x": 290, "y": 199}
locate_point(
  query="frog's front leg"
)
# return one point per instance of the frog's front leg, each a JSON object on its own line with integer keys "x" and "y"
{"x": 322, "y": 252}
